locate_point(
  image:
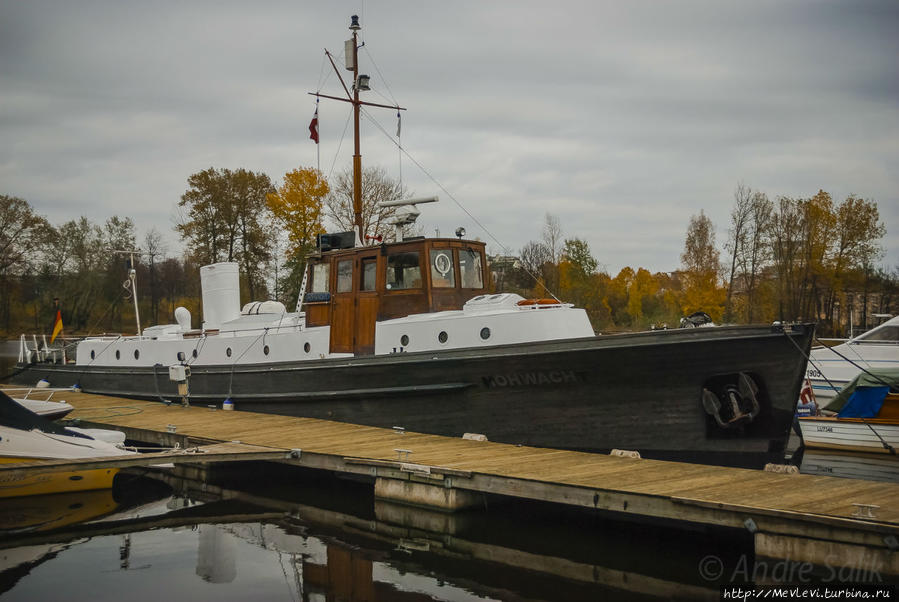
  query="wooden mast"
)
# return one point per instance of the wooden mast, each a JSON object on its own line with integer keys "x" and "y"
{"x": 353, "y": 98}
{"x": 357, "y": 154}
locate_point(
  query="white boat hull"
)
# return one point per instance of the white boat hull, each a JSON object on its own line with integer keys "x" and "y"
{"x": 850, "y": 434}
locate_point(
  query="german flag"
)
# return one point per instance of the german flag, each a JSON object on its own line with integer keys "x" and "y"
{"x": 57, "y": 326}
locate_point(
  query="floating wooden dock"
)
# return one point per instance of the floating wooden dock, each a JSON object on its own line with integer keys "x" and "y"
{"x": 802, "y": 518}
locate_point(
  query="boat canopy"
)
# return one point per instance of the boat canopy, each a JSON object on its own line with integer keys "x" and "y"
{"x": 862, "y": 393}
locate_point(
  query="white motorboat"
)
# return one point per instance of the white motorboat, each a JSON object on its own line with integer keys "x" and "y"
{"x": 40, "y": 400}
{"x": 831, "y": 368}
{"x": 864, "y": 416}
{"x": 25, "y": 436}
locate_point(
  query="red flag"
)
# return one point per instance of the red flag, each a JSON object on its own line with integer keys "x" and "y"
{"x": 313, "y": 127}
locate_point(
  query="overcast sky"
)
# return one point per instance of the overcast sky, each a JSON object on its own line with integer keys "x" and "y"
{"x": 622, "y": 119}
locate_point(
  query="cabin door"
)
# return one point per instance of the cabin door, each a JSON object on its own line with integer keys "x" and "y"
{"x": 367, "y": 303}
{"x": 343, "y": 307}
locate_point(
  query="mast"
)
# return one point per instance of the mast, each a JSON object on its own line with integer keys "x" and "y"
{"x": 360, "y": 83}
{"x": 357, "y": 155}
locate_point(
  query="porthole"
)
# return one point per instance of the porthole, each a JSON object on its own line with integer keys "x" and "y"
{"x": 265, "y": 350}
{"x": 194, "y": 353}
{"x": 93, "y": 354}
{"x": 118, "y": 354}
{"x": 404, "y": 340}
{"x": 485, "y": 333}
{"x": 307, "y": 347}
{"x": 228, "y": 352}
{"x": 442, "y": 337}
{"x": 137, "y": 354}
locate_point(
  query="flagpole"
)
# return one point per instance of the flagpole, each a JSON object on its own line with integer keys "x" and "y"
{"x": 399, "y": 145}
{"x": 318, "y": 148}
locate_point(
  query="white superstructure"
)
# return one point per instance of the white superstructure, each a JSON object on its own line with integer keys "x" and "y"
{"x": 265, "y": 332}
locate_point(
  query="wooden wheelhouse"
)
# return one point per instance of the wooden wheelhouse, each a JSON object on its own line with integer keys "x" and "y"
{"x": 351, "y": 289}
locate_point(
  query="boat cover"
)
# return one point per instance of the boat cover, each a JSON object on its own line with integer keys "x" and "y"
{"x": 14, "y": 415}
{"x": 871, "y": 387}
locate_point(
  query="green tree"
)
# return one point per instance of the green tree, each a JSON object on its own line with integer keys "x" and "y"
{"x": 22, "y": 233}
{"x": 225, "y": 220}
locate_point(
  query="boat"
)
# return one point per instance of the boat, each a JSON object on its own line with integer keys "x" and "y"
{"x": 408, "y": 334}
{"x": 863, "y": 417}
{"x": 39, "y": 400}
{"x": 832, "y": 368}
{"x": 25, "y": 436}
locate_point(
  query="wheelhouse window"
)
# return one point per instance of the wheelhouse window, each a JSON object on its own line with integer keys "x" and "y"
{"x": 320, "y": 273}
{"x": 443, "y": 275}
{"x": 470, "y": 269}
{"x": 345, "y": 276}
{"x": 403, "y": 271}
{"x": 369, "y": 271}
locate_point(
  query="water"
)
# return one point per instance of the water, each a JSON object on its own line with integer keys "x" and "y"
{"x": 320, "y": 539}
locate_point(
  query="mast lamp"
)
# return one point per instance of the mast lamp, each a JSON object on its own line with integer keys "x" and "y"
{"x": 354, "y": 23}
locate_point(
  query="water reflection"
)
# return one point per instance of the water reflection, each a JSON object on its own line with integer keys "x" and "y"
{"x": 312, "y": 539}
{"x": 849, "y": 465}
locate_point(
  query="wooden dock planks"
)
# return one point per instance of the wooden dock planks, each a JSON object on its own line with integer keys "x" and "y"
{"x": 807, "y": 498}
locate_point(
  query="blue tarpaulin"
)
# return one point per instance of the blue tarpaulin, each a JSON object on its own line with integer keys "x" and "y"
{"x": 871, "y": 378}
{"x": 864, "y": 402}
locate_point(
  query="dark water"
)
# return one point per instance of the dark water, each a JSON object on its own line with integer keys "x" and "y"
{"x": 267, "y": 532}
{"x": 307, "y": 538}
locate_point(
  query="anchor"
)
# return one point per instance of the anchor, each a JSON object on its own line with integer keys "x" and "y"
{"x": 737, "y": 401}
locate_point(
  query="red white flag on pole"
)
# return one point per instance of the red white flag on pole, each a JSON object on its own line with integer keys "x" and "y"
{"x": 313, "y": 126}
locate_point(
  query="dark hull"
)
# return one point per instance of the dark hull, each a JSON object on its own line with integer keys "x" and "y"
{"x": 639, "y": 391}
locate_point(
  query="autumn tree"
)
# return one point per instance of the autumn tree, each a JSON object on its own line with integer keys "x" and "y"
{"x": 225, "y": 220}
{"x": 297, "y": 207}
{"x": 856, "y": 243}
{"x": 553, "y": 241}
{"x": 531, "y": 276}
{"x": 617, "y": 296}
{"x": 700, "y": 261}
{"x": 377, "y": 187}
{"x": 816, "y": 228}
{"x": 749, "y": 251}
